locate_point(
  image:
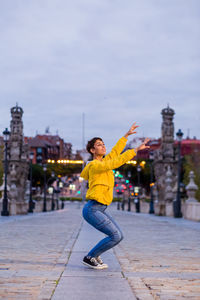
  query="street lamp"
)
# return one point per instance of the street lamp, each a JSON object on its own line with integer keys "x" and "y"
{"x": 52, "y": 199}
{"x": 30, "y": 210}
{"x": 60, "y": 190}
{"x": 45, "y": 188}
{"x": 5, "y": 211}
{"x": 177, "y": 202}
{"x": 151, "y": 157}
{"x": 51, "y": 190}
{"x": 138, "y": 178}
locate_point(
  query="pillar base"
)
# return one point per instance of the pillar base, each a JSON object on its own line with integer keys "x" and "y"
{"x": 18, "y": 208}
{"x": 160, "y": 209}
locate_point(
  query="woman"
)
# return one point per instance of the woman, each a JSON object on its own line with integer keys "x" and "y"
{"x": 100, "y": 193}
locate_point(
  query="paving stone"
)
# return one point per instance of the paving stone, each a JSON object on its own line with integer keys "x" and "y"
{"x": 163, "y": 252}
{"x": 41, "y": 254}
{"x": 34, "y": 251}
{"x": 80, "y": 283}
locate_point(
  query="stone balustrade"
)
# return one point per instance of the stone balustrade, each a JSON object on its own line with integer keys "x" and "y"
{"x": 14, "y": 210}
{"x": 190, "y": 211}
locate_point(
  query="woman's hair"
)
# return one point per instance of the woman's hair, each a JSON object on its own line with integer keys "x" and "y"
{"x": 91, "y": 143}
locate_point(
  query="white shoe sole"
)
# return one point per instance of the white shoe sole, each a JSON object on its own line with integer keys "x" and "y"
{"x": 93, "y": 267}
{"x": 104, "y": 266}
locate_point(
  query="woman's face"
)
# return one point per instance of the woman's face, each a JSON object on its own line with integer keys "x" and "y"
{"x": 99, "y": 148}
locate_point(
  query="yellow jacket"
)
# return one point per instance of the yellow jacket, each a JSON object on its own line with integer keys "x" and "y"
{"x": 100, "y": 175}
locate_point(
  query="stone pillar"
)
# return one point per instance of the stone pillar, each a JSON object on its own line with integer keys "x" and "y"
{"x": 165, "y": 157}
{"x": 18, "y": 166}
{"x": 169, "y": 196}
{"x": 191, "y": 189}
{"x": 168, "y": 186}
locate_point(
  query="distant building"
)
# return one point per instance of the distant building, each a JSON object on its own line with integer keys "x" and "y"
{"x": 188, "y": 146}
{"x": 143, "y": 154}
{"x": 83, "y": 155}
{"x": 47, "y": 147}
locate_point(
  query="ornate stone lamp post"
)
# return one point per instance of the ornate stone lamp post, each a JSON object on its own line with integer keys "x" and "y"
{"x": 45, "y": 189}
{"x": 5, "y": 211}
{"x": 151, "y": 207}
{"x": 30, "y": 210}
{"x": 177, "y": 202}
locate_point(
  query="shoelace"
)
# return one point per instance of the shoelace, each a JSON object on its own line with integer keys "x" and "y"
{"x": 93, "y": 259}
{"x": 99, "y": 260}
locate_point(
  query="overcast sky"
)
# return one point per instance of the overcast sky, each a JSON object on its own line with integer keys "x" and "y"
{"x": 116, "y": 61}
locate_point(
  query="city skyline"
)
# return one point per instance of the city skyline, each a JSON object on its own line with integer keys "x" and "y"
{"x": 115, "y": 62}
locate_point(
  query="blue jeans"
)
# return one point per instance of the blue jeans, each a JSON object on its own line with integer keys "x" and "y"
{"x": 95, "y": 214}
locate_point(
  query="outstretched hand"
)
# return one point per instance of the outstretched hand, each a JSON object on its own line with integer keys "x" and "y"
{"x": 143, "y": 145}
{"x": 131, "y": 130}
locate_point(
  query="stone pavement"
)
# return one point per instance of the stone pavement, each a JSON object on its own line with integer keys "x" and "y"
{"x": 34, "y": 250}
{"x": 160, "y": 256}
{"x": 79, "y": 282}
{"x": 40, "y": 257}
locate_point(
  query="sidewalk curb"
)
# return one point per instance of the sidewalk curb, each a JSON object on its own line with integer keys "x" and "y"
{"x": 49, "y": 286}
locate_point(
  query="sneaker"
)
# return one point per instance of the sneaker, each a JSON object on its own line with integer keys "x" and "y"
{"x": 91, "y": 262}
{"x": 100, "y": 261}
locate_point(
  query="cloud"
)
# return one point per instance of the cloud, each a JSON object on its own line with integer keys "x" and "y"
{"x": 116, "y": 61}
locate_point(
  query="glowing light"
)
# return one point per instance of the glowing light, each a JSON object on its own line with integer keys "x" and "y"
{"x": 142, "y": 164}
{"x": 131, "y": 162}
{"x": 61, "y": 184}
{"x": 72, "y": 187}
{"x": 50, "y": 190}
{"x": 65, "y": 161}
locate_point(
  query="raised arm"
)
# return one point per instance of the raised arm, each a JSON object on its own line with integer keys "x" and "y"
{"x": 118, "y": 148}
{"x": 105, "y": 165}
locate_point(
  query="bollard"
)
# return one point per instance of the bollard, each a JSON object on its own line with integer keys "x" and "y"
{"x": 118, "y": 205}
{"x": 137, "y": 204}
{"x": 123, "y": 204}
{"x": 129, "y": 204}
